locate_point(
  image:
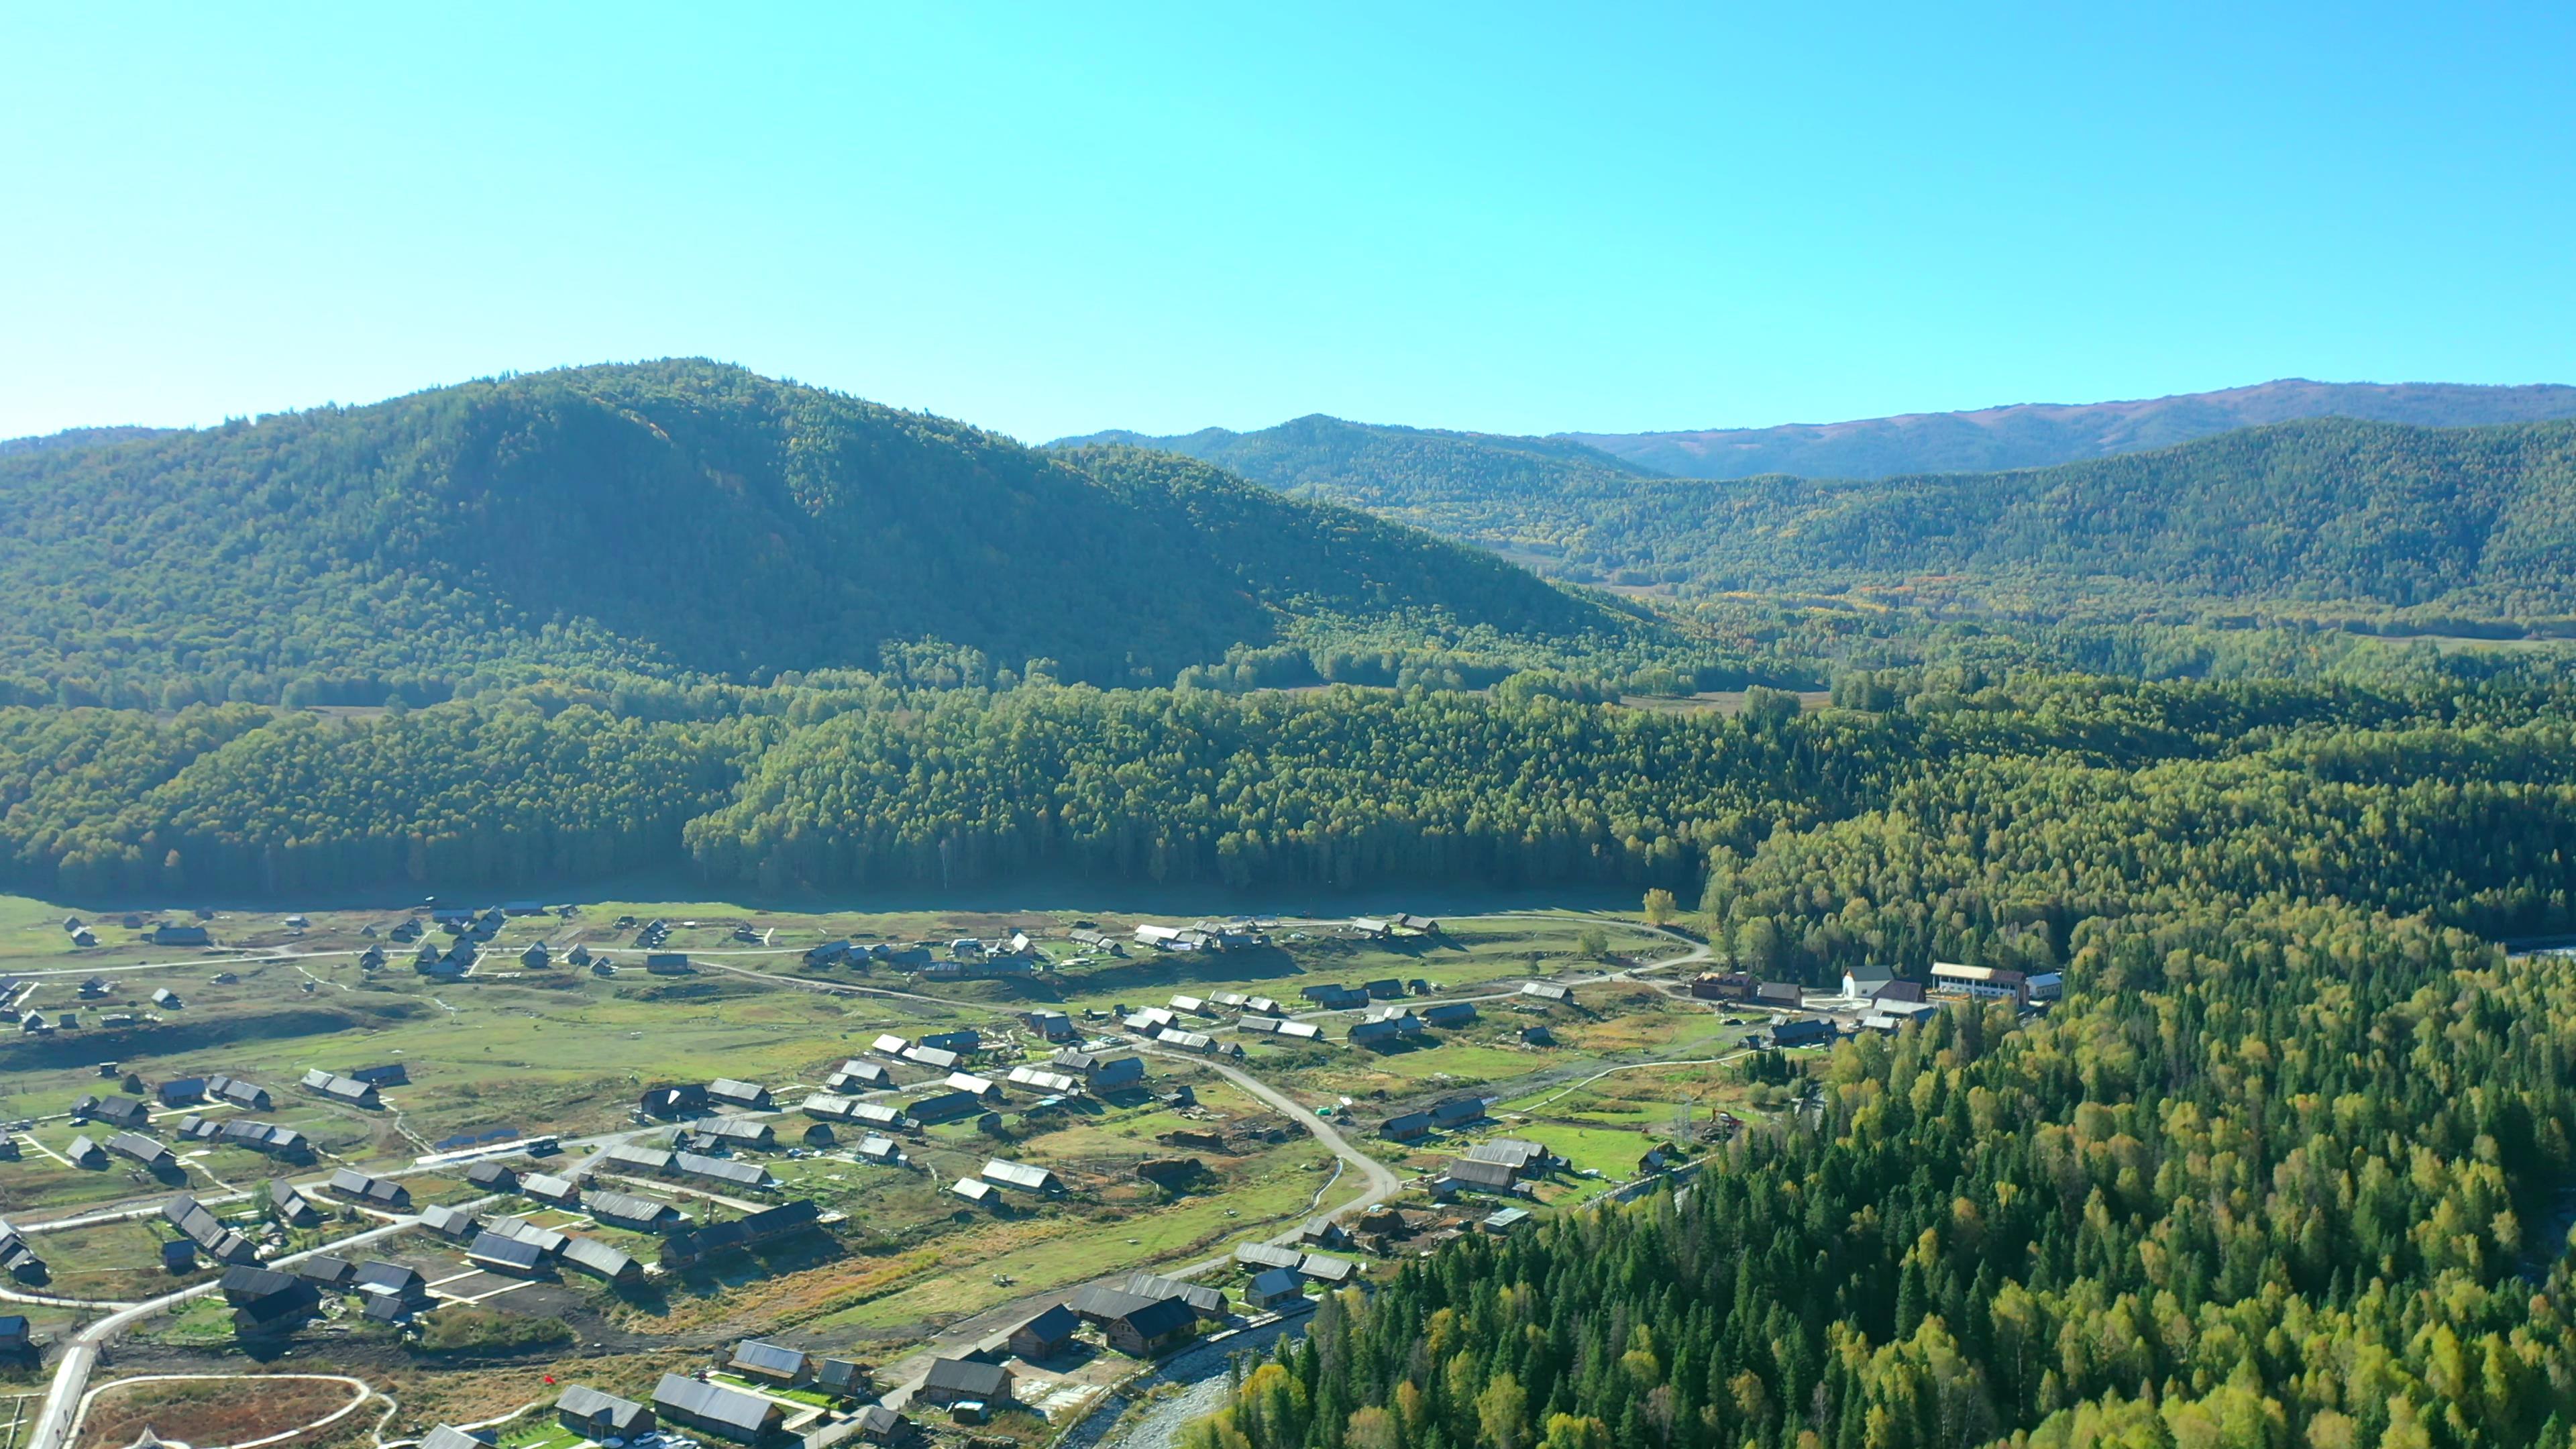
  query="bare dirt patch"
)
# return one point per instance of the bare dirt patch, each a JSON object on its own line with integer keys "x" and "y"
{"x": 210, "y": 1411}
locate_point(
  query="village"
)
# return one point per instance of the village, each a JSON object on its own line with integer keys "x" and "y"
{"x": 956, "y": 1183}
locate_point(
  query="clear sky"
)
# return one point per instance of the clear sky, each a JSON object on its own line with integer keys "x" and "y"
{"x": 1062, "y": 217}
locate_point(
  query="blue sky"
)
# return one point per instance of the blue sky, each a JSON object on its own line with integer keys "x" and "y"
{"x": 1061, "y": 217}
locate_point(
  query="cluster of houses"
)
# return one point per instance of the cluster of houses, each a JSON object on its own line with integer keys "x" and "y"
{"x": 515, "y": 1247}
{"x": 960, "y": 1094}
{"x": 1237, "y": 935}
{"x": 132, "y": 1121}
{"x": 1884, "y": 1000}
{"x": 271, "y": 1301}
{"x": 751, "y": 1408}
{"x": 877, "y": 953}
{"x": 201, "y": 1232}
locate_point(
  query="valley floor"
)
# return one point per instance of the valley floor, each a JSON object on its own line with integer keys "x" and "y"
{"x": 1254, "y": 1137}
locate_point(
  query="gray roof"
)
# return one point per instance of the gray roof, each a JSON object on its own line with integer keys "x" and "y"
{"x": 547, "y": 1240}
{"x": 1480, "y": 1174}
{"x": 1268, "y": 1255}
{"x": 747, "y": 1174}
{"x": 1052, "y": 1322}
{"x": 514, "y": 1252}
{"x": 449, "y": 1220}
{"x": 541, "y": 1184}
{"x": 970, "y": 1377}
{"x": 1278, "y": 1283}
{"x": 626, "y": 1205}
{"x": 1209, "y": 1302}
{"x": 776, "y": 1358}
{"x": 1509, "y": 1151}
{"x": 597, "y": 1257}
{"x": 444, "y": 1437}
{"x": 1018, "y": 1174}
{"x": 747, "y": 1412}
{"x": 1159, "y": 1317}
{"x": 1325, "y": 1268}
{"x": 589, "y": 1403}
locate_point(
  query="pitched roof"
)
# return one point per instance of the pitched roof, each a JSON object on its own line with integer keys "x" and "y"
{"x": 1052, "y": 1322}
{"x": 583, "y": 1401}
{"x": 1268, "y": 1255}
{"x": 1209, "y": 1302}
{"x": 1278, "y": 1283}
{"x": 746, "y": 1174}
{"x": 513, "y": 1252}
{"x": 1018, "y": 1174}
{"x": 767, "y": 1357}
{"x": 1480, "y": 1174}
{"x": 1159, "y": 1317}
{"x": 377, "y": 1273}
{"x": 256, "y": 1282}
{"x": 598, "y": 1257}
{"x": 715, "y": 1402}
{"x": 1512, "y": 1152}
{"x": 1325, "y": 1268}
{"x": 626, "y": 1205}
{"x": 450, "y": 1220}
{"x": 971, "y": 1377}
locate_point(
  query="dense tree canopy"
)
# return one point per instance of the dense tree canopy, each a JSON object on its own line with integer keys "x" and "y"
{"x": 2293, "y": 1177}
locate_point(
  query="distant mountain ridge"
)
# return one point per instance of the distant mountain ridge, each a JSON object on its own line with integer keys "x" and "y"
{"x": 2478, "y": 522}
{"x": 1397, "y": 466}
{"x": 2380, "y": 515}
{"x": 2039, "y": 435}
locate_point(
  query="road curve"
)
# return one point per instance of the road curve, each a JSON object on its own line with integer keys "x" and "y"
{"x": 68, "y": 1394}
{"x": 365, "y": 1392}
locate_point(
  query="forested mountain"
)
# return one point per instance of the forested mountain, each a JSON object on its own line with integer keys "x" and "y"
{"x": 679, "y": 519}
{"x": 2036, "y": 435}
{"x": 2481, "y": 520}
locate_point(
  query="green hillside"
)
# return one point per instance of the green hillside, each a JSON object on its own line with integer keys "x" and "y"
{"x": 2476, "y": 521}
{"x": 681, "y": 519}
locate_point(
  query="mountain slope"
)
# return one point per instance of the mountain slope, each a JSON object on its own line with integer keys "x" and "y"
{"x": 2037, "y": 435}
{"x": 2480, "y": 520}
{"x": 680, "y": 519}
